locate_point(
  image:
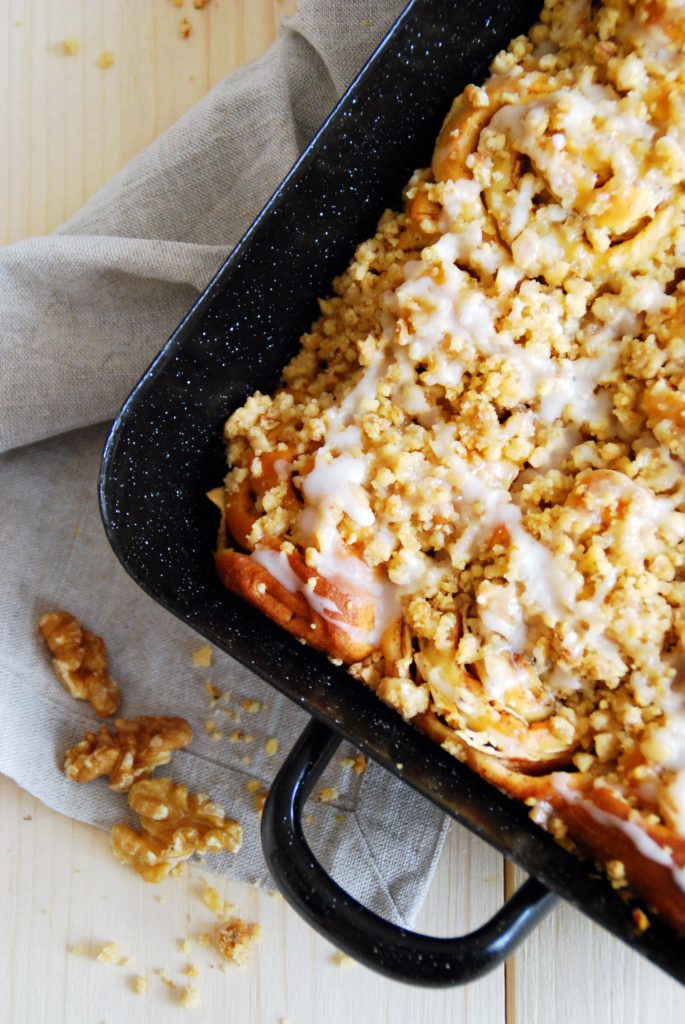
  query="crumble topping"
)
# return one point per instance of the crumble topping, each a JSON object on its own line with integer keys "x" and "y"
{"x": 137, "y": 747}
{"x": 469, "y": 487}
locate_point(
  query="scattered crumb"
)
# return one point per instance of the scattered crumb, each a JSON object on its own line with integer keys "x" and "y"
{"x": 252, "y": 707}
{"x": 340, "y": 818}
{"x": 359, "y": 763}
{"x": 204, "y": 940}
{"x": 178, "y": 871}
{"x": 260, "y": 800}
{"x": 190, "y": 997}
{"x": 641, "y": 920}
{"x": 247, "y": 760}
{"x": 308, "y": 819}
{"x": 110, "y": 954}
{"x": 177, "y": 3}
{"x": 399, "y": 766}
{"x": 342, "y": 959}
{"x": 192, "y": 971}
{"x": 70, "y": 46}
{"x": 210, "y": 726}
{"x": 235, "y": 939}
{"x": 106, "y": 59}
{"x": 253, "y": 785}
{"x": 328, "y": 794}
{"x": 140, "y": 984}
{"x": 199, "y": 5}
{"x": 271, "y": 746}
{"x": 185, "y": 28}
{"x": 202, "y": 657}
{"x": 213, "y": 691}
{"x": 184, "y": 945}
{"x": 164, "y": 978}
{"x": 161, "y": 899}
{"x": 248, "y": 738}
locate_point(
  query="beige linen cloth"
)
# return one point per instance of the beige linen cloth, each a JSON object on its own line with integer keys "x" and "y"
{"x": 82, "y": 313}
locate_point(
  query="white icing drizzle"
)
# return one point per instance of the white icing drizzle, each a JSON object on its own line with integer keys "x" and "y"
{"x": 644, "y": 844}
{"x": 350, "y": 572}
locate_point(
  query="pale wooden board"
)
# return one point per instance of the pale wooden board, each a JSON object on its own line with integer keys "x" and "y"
{"x": 60, "y": 887}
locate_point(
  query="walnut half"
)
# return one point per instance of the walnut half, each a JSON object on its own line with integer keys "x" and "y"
{"x": 138, "y": 746}
{"x": 80, "y": 661}
{"x": 175, "y": 824}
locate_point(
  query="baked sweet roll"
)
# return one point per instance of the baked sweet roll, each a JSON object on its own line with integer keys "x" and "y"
{"x": 469, "y": 487}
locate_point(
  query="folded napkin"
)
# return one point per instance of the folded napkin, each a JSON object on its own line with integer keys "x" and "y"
{"x": 82, "y": 313}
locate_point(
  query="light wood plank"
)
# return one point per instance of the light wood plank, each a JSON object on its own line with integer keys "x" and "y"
{"x": 571, "y": 970}
{"x": 61, "y": 887}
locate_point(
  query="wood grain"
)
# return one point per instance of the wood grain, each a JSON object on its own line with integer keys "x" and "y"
{"x": 66, "y": 125}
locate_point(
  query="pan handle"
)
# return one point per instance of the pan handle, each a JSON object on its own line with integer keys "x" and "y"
{"x": 387, "y": 948}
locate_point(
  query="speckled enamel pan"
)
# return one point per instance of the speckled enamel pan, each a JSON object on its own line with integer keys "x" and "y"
{"x": 165, "y": 450}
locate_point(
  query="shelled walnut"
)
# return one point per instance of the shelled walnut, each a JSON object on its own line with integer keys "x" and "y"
{"x": 137, "y": 747}
{"x": 175, "y": 824}
{"x": 80, "y": 661}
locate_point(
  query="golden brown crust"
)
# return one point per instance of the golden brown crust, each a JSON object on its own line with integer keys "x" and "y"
{"x": 470, "y": 113}
{"x": 80, "y": 661}
{"x": 174, "y": 824}
{"x": 519, "y": 781}
{"x": 250, "y": 580}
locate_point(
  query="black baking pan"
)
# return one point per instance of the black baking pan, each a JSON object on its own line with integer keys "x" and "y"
{"x": 165, "y": 450}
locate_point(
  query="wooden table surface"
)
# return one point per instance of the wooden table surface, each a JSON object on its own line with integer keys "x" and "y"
{"x": 66, "y": 125}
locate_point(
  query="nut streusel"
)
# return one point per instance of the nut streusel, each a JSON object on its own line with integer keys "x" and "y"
{"x": 470, "y": 486}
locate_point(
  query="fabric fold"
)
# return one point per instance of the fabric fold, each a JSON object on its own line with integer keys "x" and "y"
{"x": 82, "y": 314}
